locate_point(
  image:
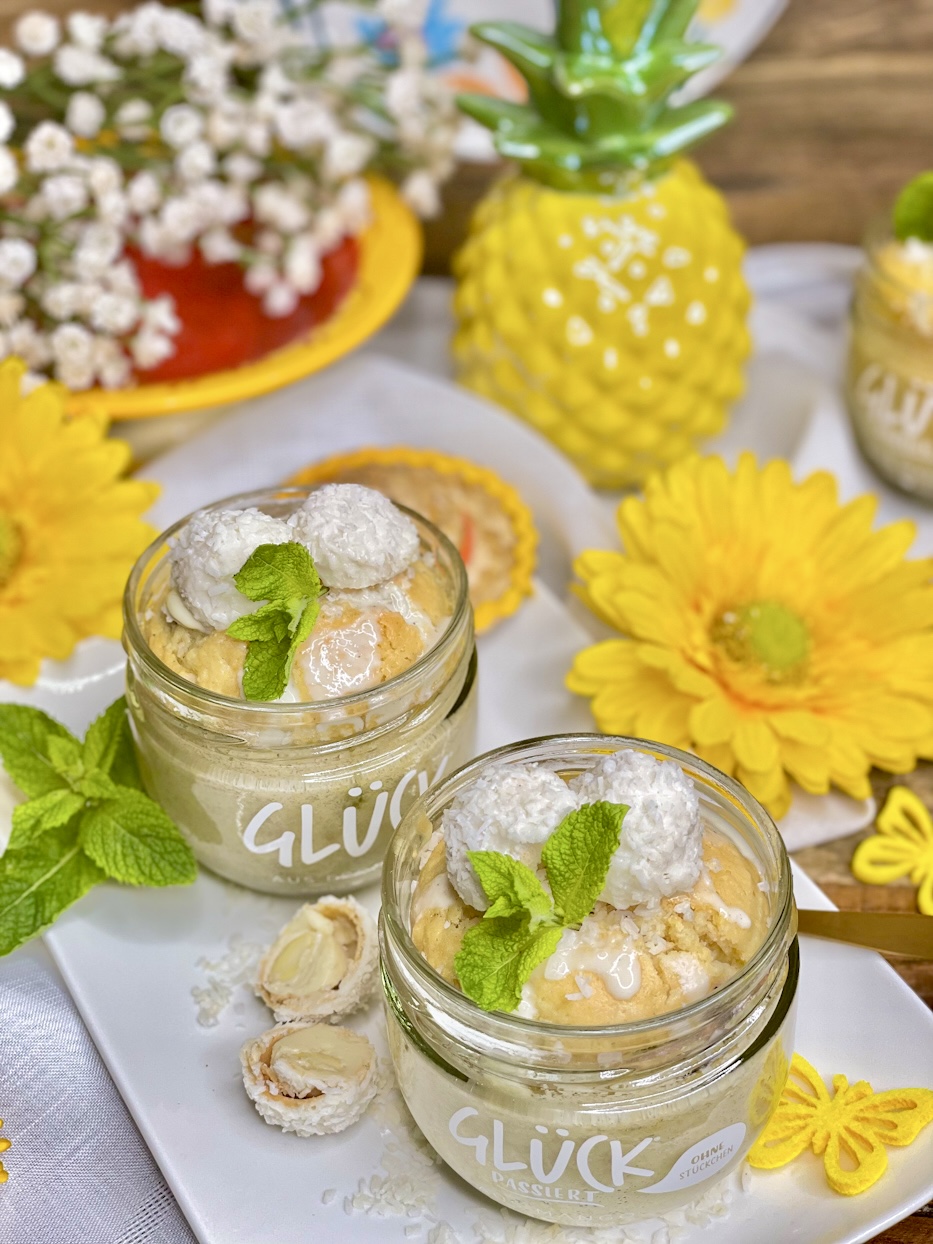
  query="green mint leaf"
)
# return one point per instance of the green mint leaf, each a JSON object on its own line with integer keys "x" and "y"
{"x": 510, "y": 886}
{"x": 132, "y": 840}
{"x": 65, "y": 755}
{"x": 913, "y": 211}
{"x": 97, "y": 786}
{"x": 24, "y": 748}
{"x": 48, "y": 811}
{"x": 577, "y": 857}
{"x": 272, "y": 623}
{"x": 108, "y": 746}
{"x": 267, "y": 669}
{"x": 497, "y": 957}
{"x": 39, "y": 882}
{"x": 278, "y": 572}
{"x": 284, "y": 576}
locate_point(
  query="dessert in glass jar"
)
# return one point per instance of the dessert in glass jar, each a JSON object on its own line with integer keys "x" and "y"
{"x": 301, "y": 667}
{"x": 590, "y": 965}
{"x": 889, "y": 380}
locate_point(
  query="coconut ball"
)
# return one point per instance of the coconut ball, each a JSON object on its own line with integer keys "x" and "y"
{"x": 209, "y": 550}
{"x": 512, "y": 809}
{"x": 355, "y": 535}
{"x": 661, "y": 848}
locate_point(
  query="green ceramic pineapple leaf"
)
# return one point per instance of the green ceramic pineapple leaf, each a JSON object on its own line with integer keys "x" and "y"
{"x": 599, "y": 91}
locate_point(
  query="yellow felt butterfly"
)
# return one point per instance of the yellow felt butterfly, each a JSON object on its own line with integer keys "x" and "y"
{"x": 902, "y": 846}
{"x": 4, "y": 1145}
{"x": 850, "y": 1129}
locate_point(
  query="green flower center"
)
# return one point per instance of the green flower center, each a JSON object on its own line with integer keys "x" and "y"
{"x": 765, "y": 634}
{"x": 11, "y": 546}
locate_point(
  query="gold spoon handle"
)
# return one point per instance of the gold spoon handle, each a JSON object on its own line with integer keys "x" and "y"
{"x": 892, "y": 932}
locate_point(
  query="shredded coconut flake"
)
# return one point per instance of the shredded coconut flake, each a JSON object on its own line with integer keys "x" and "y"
{"x": 355, "y": 535}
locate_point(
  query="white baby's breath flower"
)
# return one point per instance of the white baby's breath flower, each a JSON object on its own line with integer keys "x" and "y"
{"x": 303, "y": 123}
{"x": 182, "y": 218}
{"x": 17, "y": 261}
{"x": 156, "y": 241}
{"x": 206, "y": 78}
{"x": 143, "y": 192}
{"x": 98, "y": 247}
{"x": 30, "y": 380}
{"x": 403, "y": 92}
{"x": 181, "y": 34}
{"x": 133, "y": 119}
{"x": 280, "y": 300}
{"x": 303, "y": 265}
{"x": 355, "y": 206}
{"x": 268, "y": 242}
{"x": 72, "y": 343}
{"x": 31, "y": 345}
{"x": 64, "y": 300}
{"x": 217, "y": 12}
{"x": 104, "y": 176}
{"x": 196, "y": 162}
{"x": 181, "y": 125}
{"x": 346, "y": 155}
{"x": 224, "y": 126}
{"x": 48, "y": 148}
{"x": 159, "y": 316}
{"x": 256, "y": 21}
{"x": 219, "y": 204}
{"x": 275, "y": 205}
{"x": 85, "y": 114}
{"x": 7, "y": 122}
{"x": 81, "y": 67}
{"x": 12, "y": 70}
{"x": 37, "y": 33}
{"x": 111, "y": 363}
{"x": 240, "y": 167}
{"x": 150, "y": 348}
{"x": 344, "y": 70}
{"x": 260, "y": 277}
{"x": 11, "y": 307}
{"x": 113, "y": 208}
{"x": 9, "y": 170}
{"x": 114, "y": 314}
{"x": 328, "y": 228}
{"x": 75, "y": 374}
{"x": 257, "y": 138}
{"x": 218, "y": 245}
{"x": 420, "y": 192}
{"x": 65, "y": 194}
{"x": 274, "y": 81}
{"x": 87, "y": 30}
{"x": 121, "y": 278}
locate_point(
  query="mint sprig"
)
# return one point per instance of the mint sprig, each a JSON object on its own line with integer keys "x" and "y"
{"x": 283, "y": 576}
{"x": 86, "y": 819}
{"x": 913, "y": 211}
{"x": 523, "y": 923}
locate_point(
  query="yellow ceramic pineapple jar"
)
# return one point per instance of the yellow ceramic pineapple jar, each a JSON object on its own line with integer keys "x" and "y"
{"x": 600, "y": 290}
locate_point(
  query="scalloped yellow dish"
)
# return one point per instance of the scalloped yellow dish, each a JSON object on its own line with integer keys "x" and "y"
{"x": 390, "y": 257}
{"x": 481, "y": 514}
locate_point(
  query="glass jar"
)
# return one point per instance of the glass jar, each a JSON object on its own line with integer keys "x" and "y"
{"x": 889, "y": 382}
{"x": 299, "y": 798}
{"x": 593, "y": 1126}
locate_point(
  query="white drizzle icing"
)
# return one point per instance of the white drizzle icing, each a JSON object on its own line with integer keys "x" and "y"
{"x": 705, "y": 892}
{"x": 577, "y": 952}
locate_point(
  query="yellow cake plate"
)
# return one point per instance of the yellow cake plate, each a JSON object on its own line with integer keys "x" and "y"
{"x": 390, "y": 258}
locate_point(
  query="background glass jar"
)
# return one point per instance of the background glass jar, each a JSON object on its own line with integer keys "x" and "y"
{"x": 593, "y": 1126}
{"x": 299, "y": 798}
{"x": 889, "y": 382}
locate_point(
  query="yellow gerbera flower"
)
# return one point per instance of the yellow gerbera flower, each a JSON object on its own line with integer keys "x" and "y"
{"x": 770, "y": 629}
{"x": 70, "y": 527}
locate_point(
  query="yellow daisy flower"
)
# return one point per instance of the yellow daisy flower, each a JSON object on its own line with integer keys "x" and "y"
{"x": 769, "y": 629}
{"x": 70, "y": 527}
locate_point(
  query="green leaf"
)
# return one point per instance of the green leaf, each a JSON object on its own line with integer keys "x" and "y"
{"x": 48, "y": 811}
{"x": 913, "y": 211}
{"x": 577, "y": 857}
{"x": 96, "y": 785}
{"x": 271, "y": 622}
{"x": 285, "y": 577}
{"x": 510, "y": 885}
{"x": 65, "y": 755}
{"x": 39, "y": 882}
{"x": 278, "y": 572}
{"x": 133, "y": 841}
{"x": 497, "y": 957}
{"x": 24, "y": 748}
{"x": 108, "y": 744}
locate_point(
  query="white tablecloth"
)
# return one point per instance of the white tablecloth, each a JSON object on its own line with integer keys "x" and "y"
{"x": 79, "y": 1170}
